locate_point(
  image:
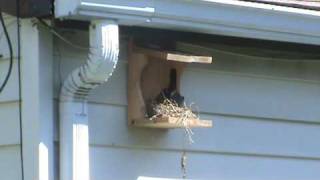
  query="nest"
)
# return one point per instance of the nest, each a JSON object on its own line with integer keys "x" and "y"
{"x": 169, "y": 108}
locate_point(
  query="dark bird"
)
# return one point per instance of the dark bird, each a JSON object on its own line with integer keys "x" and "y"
{"x": 171, "y": 92}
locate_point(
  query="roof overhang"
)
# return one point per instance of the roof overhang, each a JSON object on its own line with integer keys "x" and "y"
{"x": 231, "y": 18}
{"x": 303, "y": 4}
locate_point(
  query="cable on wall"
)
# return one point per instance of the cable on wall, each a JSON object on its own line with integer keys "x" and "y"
{"x": 58, "y": 35}
{"x": 20, "y": 90}
{"x": 6, "y": 79}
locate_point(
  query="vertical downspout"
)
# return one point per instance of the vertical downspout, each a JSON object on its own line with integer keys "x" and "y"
{"x": 74, "y": 134}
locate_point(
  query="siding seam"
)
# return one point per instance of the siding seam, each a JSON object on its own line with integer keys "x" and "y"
{"x": 243, "y": 117}
{"x": 123, "y": 63}
{"x": 228, "y": 153}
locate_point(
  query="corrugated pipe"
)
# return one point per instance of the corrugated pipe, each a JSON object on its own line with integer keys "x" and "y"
{"x": 74, "y": 134}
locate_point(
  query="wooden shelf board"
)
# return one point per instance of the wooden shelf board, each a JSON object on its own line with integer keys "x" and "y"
{"x": 174, "y": 56}
{"x": 171, "y": 122}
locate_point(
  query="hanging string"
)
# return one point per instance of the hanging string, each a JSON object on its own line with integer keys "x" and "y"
{"x": 184, "y": 164}
{"x": 184, "y": 158}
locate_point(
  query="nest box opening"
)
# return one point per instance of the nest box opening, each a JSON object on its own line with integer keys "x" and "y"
{"x": 153, "y": 78}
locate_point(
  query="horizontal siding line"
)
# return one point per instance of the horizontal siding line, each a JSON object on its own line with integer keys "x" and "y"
{"x": 256, "y": 76}
{"x": 9, "y": 145}
{"x": 257, "y": 118}
{"x": 14, "y": 101}
{"x": 251, "y": 75}
{"x": 222, "y": 52}
{"x": 227, "y": 153}
{"x": 243, "y": 117}
{"x": 202, "y": 151}
{"x": 15, "y": 58}
{"x": 108, "y": 104}
{"x": 57, "y": 57}
{"x": 231, "y": 54}
{"x": 246, "y": 117}
{"x": 99, "y": 103}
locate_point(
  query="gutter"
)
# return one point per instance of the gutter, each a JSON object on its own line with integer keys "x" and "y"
{"x": 74, "y": 131}
{"x": 219, "y": 17}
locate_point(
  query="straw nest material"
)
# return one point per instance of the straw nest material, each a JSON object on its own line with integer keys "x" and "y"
{"x": 169, "y": 108}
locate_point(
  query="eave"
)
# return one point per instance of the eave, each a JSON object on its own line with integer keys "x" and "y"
{"x": 231, "y": 18}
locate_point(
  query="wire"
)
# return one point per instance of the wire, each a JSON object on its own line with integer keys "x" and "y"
{"x": 54, "y": 32}
{"x": 20, "y": 89}
{"x": 19, "y": 75}
{"x": 184, "y": 47}
{"x": 3, "y": 85}
{"x": 7, "y": 25}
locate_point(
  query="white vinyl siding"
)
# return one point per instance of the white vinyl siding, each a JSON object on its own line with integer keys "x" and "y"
{"x": 9, "y": 108}
{"x": 265, "y": 112}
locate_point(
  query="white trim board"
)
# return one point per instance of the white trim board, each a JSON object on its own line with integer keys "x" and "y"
{"x": 37, "y": 101}
{"x": 232, "y": 18}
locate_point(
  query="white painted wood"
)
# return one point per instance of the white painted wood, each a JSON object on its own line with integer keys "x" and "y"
{"x": 37, "y": 103}
{"x": 113, "y": 163}
{"x": 10, "y": 162}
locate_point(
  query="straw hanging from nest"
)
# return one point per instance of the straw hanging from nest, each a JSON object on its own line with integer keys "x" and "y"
{"x": 169, "y": 108}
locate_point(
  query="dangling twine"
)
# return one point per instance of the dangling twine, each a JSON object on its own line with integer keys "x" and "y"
{"x": 184, "y": 165}
{"x": 169, "y": 108}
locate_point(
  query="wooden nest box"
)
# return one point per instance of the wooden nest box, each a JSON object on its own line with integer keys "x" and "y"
{"x": 150, "y": 72}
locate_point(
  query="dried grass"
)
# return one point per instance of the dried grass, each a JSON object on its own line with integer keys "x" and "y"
{"x": 169, "y": 108}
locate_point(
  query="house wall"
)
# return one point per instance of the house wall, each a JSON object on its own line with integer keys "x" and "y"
{"x": 9, "y": 109}
{"x": 265, "y": 112}
{"x": 36, "y": 103}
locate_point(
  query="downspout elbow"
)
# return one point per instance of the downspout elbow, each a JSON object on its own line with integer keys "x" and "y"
{"x": 101, "y": 62}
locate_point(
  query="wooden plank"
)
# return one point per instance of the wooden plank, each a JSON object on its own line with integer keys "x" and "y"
{"x": 174, "y": 56}
{"x": 189, "y": 58}
{"x": 136, "y": 104}
{"x": 148, "y": 75}
{"x": 172, "y": 122}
